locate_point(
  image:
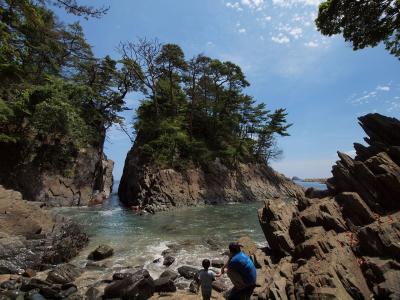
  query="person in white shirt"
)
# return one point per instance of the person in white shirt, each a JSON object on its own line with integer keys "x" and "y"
{"x": 206, "y": 277}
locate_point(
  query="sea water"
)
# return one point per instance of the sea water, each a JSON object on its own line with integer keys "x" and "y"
{"x": 195, "y": 232}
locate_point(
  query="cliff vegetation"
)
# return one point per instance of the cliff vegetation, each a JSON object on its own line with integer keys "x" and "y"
{"x": 196, "y": 110}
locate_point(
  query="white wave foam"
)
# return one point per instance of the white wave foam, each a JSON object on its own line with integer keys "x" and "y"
{"x": 110, "y": 212}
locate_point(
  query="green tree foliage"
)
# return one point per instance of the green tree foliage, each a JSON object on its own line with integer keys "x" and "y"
{"x": 55, "y": 96}
{"x": 364, "y": 23}
{"x": 196, "y": 110}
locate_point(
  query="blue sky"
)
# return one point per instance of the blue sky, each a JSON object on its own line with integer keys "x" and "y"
{"x": 321, "y": 81}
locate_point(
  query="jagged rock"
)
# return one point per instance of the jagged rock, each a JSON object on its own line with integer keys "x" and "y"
{"x": 64, "y": 274}
{"x": 355, "y": 209}
{"x": 381, "y": 238}
{"x": 101, "y": 252}
{"x": 345, "y": 245}
{"x": 188, "y": 272}
{"x": 275, "y": 220}
{"x": 140, "y": 285}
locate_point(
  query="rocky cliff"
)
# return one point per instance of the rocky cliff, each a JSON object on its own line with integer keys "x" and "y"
{"x": 34, "y": 238}
{"x": 88, "y": 181}
{"x": 156, "y": 189}
{"x": 344, "y": 244}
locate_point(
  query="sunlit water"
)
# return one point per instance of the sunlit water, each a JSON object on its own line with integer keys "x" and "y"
{"x": 198, "y": 232}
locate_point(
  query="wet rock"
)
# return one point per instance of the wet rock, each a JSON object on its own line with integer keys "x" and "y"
{"x": 101, "y": 252}
{"x": 64, "y": 274}
{"x": 139, "y": 285}
{"x": 121, "y": 276}
{"x": 157, "y": 260}
{"x": 169, "y": 274}
{"x": 188, "y": 272}
{"x": 168, "y": 260}
{"x": 217, "y": 263}
{"x": 194, "y": 287}
{"x": 95, "y": 265}
{"x": 164, "y": 284}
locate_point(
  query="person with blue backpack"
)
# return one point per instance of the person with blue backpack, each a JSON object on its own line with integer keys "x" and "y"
{"x": 242, "y": 273}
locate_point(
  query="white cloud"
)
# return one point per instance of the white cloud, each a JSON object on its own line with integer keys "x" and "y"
{"x": 235, "y": 5}
{"x": 280, "y": 39}
{"x": 311, "y": 44}
{"x": 383, "y": 88}
{"x": 253, "y": 3}
{"x": 242, "y": 30}
{"x": 290, "y": 3}
{"x": 296, "y": 32}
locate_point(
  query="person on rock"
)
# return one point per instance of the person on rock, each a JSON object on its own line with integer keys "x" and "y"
{"x": 242, "y": 273}
{"x": 206, "y": 277}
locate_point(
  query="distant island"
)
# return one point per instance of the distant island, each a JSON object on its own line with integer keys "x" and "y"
{"x": 320, "y": 180}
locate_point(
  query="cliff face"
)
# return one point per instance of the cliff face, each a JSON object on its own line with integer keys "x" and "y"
{"x": 154, "y": 189}
{"x": 88, "y": 181}
{"x": 344, "y": 244}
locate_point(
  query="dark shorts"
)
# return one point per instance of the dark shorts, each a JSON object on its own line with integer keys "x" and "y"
{"x": 243, "y": 294}
{"x": 206, "y": 295}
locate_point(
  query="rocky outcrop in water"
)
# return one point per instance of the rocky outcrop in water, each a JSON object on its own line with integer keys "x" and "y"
{"x": 156, "y": 189}
{"x": 33, "y": 238}
{"x": 87, "y": 181}
{"x": 344, "y": 244}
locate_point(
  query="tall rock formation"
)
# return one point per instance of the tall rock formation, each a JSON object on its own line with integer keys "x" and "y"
{"x": 343, "y": 244}
{"x": 88, "y": 180}
{"x": 156, "y": 189}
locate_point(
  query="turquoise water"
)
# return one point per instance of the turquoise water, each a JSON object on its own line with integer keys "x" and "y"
{"x": 198, "y": 232}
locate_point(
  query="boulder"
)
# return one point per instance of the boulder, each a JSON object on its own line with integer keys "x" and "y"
{"x": 140, "y": 285}
{"x": 63, "y": 274}
{"x": 188, "y": 272}
{"x": 164, "y": 284}
{"x": 101, "y": 252}
{"x": 168, "y": 260}
{"x": 169, "y": 274}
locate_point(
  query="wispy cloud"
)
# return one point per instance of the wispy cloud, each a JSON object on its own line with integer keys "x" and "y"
{"x": 280, "y": 39}
{"x": 384, "y": 98}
